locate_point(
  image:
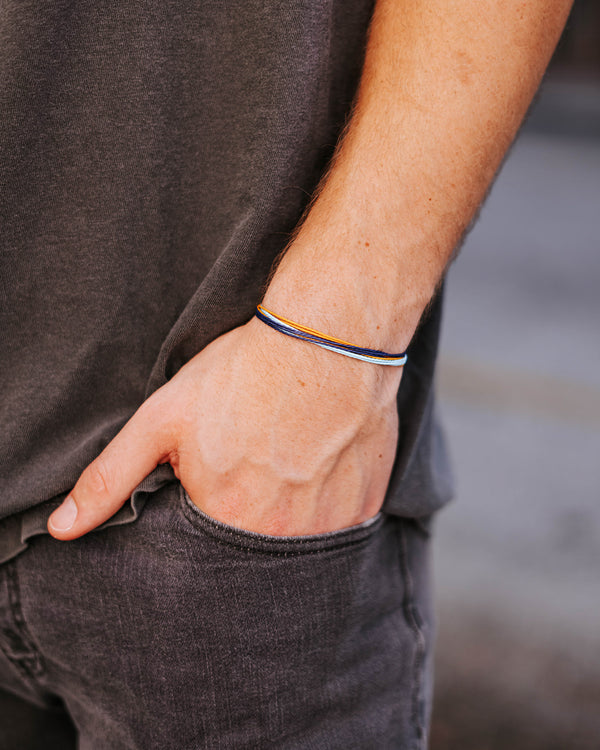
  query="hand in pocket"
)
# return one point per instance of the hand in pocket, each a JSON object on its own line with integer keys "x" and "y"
{"x": 266, "y": 433}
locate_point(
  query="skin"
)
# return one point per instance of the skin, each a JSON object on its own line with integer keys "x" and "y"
{"x": 278, "y": 436}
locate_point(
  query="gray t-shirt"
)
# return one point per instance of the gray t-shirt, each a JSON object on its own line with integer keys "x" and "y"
{"x": 153, "y": 159}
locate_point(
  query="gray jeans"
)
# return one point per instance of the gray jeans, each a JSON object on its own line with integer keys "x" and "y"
{"x": 177, "y": 631}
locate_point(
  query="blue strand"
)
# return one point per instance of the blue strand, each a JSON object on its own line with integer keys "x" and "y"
{"x": 374, "y": 356}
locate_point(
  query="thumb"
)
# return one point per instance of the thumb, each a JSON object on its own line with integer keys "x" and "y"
{"x": 111, "y": 478}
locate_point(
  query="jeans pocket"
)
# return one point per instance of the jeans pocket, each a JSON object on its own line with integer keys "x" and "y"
{"x": 187, "y": 633}
{"x": 277, "y": 545}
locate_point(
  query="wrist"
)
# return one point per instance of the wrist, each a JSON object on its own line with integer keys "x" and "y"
{"x": 348, "y": 289}
{"x": 302, "y": 363}
{"x": 355, "y": 270}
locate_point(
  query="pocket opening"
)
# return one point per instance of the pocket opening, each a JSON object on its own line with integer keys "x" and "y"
{"x": 301, "y": 544}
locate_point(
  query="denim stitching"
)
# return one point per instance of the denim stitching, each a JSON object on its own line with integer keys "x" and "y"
{"x": 31, "y": 665}
{"x": 232, "y": 538}
{"x": 415, "y": 623}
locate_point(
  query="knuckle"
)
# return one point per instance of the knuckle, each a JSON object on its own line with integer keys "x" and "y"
{"x": 98, "y": 479}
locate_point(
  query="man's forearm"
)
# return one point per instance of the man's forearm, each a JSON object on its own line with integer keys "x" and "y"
{"x": 444, "y": 89}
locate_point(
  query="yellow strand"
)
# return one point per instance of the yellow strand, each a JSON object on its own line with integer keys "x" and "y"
{"x": 305, "y": 329}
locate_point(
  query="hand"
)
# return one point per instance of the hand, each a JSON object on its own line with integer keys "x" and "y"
{"x": 265, "y": 433}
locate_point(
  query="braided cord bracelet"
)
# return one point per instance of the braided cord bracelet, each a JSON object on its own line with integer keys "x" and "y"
{"x": 297, "y": 331}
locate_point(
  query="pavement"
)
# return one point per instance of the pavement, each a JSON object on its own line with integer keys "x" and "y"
{"x": 518, "y": 552}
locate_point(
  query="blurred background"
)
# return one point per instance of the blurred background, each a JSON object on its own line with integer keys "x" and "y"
{"x": 518, "y": 552}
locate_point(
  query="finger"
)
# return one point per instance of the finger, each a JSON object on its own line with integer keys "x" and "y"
{"x": 111, "y": 478}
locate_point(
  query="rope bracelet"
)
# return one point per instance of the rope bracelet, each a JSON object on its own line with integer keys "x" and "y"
{"x": 297, "y": 331}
